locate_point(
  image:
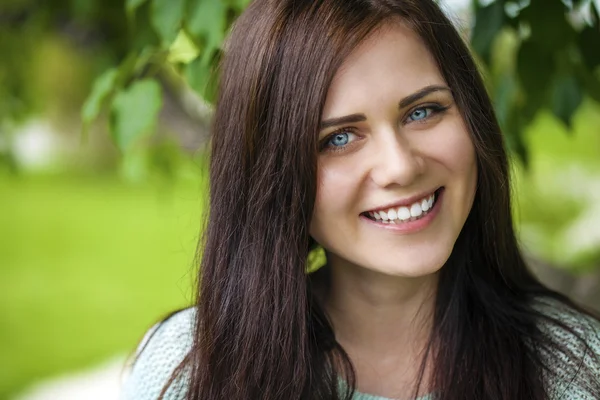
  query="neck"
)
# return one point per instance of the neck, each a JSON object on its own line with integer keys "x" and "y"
{"x": 376, "y": 313}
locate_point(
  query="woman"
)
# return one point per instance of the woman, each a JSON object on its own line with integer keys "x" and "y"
{"x": 363, "y": 127}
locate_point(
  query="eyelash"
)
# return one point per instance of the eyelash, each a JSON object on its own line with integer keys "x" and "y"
{"x": 435, "y": 108}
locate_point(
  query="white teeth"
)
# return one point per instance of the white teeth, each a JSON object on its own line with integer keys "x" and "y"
{"x": 404, "y": 213}
{"x": 392, "y": 214}
{"x": 415, "y": 210}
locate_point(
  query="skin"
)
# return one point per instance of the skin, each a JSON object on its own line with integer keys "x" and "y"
{"x": 383, "y": 282}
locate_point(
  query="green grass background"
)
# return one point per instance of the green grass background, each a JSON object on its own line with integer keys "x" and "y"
{"x": 87, "y": 264}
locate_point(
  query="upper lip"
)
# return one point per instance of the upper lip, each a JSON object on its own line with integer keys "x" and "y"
{"x": 404, "y": 202}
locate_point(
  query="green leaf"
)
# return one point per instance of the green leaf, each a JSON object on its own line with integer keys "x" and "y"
{"x": 566, "y": 98}
{"x": 589, "y": 45}
{"x": 201, "y": 75}
{"x": 588, "y": 81}
{"x": 576, "y": 4}
{"x": 504, "y": 98}
{"x": 548, "y": 22}
{"x": 488, "y": 23}
{"x": 144, "y": 34}
{"x": 535, "y": 68}
{"x": 207, "y": 23}
{"x": 595, "y": 10}
{"x": 238, "y": 5}
{"x": 513, "y": 134}
{"x": 183, "y": 50}
{"x": 103, "y": 86}
{"x": 166, "y": 18}
{"x": 134, "y": 112}
{"x": 132, "y": 5}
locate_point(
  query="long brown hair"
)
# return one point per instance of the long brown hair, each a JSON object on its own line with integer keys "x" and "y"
{"x": 261, "y": 332}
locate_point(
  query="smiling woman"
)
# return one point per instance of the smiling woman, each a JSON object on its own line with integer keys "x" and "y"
{"x": 398, "y": 142}
{"x": 362, "y": 127}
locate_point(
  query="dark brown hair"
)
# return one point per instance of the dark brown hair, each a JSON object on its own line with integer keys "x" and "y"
{"x": 261, "y": 332}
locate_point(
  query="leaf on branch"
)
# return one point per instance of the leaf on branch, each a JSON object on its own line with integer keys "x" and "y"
{"x": 201, "y": 75}
{"x": 488, "y": 23}
{"x": 132, "y": 5}
{"x": 144, "y": 33}
{"x": 566, "y": 98}
{"x": 183, "y": 50}
{"x": 535, "y": 68}
{"x": 134, "y": 112}
{"x": 595, "y": 11}
{"x": 589, "y": 45}
{"x": 504, "y": 98}
{"x": 513, "y": 134}
{"x": 103, "y": 86}
{"x": 166, "y": 18}
{"x": 588, "y": 81}
{"x": 549, "y": 26}
{"x": 207, "y": 23}
{"x": 238, "y": 5}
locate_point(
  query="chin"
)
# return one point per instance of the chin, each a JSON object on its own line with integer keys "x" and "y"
{"x": 416, "y": 261}
{"x": 409, "y": 271}
{"x": 404, "y": 265}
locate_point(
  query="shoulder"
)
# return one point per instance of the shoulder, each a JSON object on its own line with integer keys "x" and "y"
{"x": 575, "y": 367}
{"x": 163, "y": 348}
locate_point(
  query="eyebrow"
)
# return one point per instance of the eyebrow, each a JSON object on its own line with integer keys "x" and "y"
{"x": 405, "y": 102}
{"x": 348, "y": 119}
{"x": 418, "y": 95}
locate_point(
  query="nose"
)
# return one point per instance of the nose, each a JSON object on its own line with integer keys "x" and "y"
{"x": 395, "y": 162}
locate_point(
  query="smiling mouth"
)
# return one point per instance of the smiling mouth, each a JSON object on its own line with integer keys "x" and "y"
{"x": 403, "y": 214}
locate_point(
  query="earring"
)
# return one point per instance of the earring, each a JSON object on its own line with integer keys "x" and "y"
{"x": 316, "y": 259}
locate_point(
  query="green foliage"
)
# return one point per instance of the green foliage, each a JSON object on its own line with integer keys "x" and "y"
{"x": 183, "y": 50}
{"x": 566, "y": 98}
{"x": 554, "y": 67}
{"x": 132, "y": 5}
{"x": 201, "y": 76}
{"x": 181, "y": 36}
{"x": 166, "y": 18}
{"x": 134, "y": 112}
{"x": 556, "y": 52}
{"x": 489, "y": 21}
{"x": 550, "y": 63}
{"x": 556, "y": 199}
{"x": 207, "y": 23}
{"x": 103, "y": 87}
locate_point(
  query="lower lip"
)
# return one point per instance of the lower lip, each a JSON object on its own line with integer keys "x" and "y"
{"x": 411, "y": 226}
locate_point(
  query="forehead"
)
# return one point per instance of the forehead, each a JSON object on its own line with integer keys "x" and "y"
{"x": 392, "y": 61}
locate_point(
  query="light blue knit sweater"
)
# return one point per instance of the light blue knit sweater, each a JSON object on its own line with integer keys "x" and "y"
{"x": 172, "y": 340}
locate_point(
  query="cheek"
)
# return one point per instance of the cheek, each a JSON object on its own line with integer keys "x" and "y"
{"x": 336, "y": 185}
{"x": 455, "y": 149}
{"x": 461, "y": 159}
{"x": 467, "y": 163}
{"x": 336, "y": 190}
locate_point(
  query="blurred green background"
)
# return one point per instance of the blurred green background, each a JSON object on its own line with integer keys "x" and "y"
{"x": 104, "y": 109}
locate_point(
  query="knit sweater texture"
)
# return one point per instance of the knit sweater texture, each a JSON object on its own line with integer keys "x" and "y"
{"x": 166, "y": 344}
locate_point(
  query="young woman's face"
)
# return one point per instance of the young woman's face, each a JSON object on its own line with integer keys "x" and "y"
{"x": 397, "y": 171}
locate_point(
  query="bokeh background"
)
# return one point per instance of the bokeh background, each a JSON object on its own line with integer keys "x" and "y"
{"x": 104, "y": 115}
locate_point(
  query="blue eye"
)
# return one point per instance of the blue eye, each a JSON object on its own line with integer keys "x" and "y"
{"x": 420, "y": 113}
{"x": 339, "y": 139}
